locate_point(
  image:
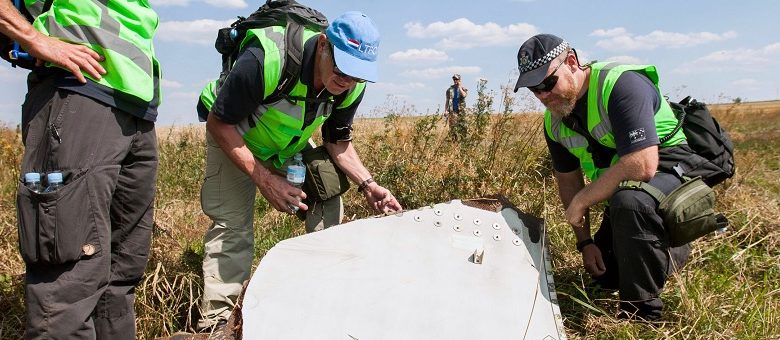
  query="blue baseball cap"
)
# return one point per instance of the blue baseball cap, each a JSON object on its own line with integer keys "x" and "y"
{"x": 356, "y": 42}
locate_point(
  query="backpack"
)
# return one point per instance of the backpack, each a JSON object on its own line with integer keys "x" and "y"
{"x": 10, "y": 50}
{"x": 707, "y": 139}
{"x": 289, "y": 13}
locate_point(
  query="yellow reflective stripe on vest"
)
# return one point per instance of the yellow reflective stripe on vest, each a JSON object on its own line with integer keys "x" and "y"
{"x": 273, "y": 43}
{"x": 569, "y": 141}
{"x": 34, "y": 7}
{"x": 604, "y": 126}
{"x": 605, "y": 75}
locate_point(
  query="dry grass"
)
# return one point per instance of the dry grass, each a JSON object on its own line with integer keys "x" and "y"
{"x": 729, "y": 289}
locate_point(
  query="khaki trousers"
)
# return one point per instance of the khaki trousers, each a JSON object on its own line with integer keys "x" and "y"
{"x": 227, "y": 197}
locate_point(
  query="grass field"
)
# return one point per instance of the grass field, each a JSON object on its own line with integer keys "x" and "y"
{"x": 730, "y": 287}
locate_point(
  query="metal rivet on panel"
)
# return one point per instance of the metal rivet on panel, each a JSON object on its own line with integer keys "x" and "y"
{"x": 516, "y": 242}
{"x": 496, "y": 226}
{"x": 437, "y": 224}
{"x": 437, "y": 212}
{"x": 477, "y": 221}
{"x": 418, "y": 218}
{"x": 456, "y": 228}
{"x": 477, "y": 233}
{"x": 497, "y": 237}
{"x": 458, "y": 217}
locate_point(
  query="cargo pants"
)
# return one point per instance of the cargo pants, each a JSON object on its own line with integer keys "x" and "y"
{"x": 635, "y": 248}
{"x": 228, "y": 199}
{"x": 86, "y": 245}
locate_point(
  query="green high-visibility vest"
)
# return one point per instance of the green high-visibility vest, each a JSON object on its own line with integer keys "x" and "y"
{"x": 119, "y": 30}
{"x": 602, "y": 79}
{"x": 269, "y": 131}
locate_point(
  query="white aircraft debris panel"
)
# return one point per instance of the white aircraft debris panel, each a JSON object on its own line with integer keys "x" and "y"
{"x": 450, "y": 271}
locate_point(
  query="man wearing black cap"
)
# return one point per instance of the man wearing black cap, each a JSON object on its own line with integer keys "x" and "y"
{"x": 606, "y": 120}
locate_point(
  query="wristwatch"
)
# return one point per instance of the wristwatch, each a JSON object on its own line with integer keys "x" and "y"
{"x": 362, "y": 186}
{"x": 582, "y": 244}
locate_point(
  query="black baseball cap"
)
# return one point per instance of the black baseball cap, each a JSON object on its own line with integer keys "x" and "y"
{"x": 534, "y": 57}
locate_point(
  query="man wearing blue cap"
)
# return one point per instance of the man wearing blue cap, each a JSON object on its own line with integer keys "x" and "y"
{"x": 610, "y": 122}
{"x": 249, "y": 142}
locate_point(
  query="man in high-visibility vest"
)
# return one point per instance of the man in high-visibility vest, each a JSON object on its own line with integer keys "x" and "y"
{"x": 249, "y": 143}
{"x": 89, "y": 114}
{"x": 605, "y": 120}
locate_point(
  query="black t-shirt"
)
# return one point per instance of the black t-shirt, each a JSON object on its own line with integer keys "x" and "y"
{"x": 631, "y": 110}
{"x": 242, "y": 93}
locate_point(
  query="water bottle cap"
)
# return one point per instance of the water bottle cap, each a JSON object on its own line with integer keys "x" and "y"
{"x": 32, "y": 177}
{"x": 54, "y": 177}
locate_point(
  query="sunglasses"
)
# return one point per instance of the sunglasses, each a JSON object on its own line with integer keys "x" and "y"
{"x": 338, "y": 72}
{"x": 548, "y": 83}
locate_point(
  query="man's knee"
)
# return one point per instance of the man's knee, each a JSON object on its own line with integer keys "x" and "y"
{"x": 632, "y": 200}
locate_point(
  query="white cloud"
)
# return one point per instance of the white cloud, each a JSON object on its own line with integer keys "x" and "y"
{"x": 746, "y": 82}
{"x": 396, "y": 88}
{"x": 166, "y": 3}
{"x": 742, "y": 59}
{"x": 441, "y": 72}
{"x": 189, "y": 96}
{"x": 170, "y": 84}
{"x": 626, "y": 59}
{"x": 463, "y": 34}
{"x": 612, "y": 32}
{"x": 620, "y": 39}
{"x": 202, "y": 31}
{"x": 414, "y": 55}
{"x": 227, "y": 3}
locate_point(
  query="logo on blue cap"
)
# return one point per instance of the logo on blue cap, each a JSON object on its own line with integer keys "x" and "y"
{"x": 356, "y": 42}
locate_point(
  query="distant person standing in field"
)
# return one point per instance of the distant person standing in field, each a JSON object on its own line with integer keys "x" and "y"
{"x": 606, "y": 120}
{"x": 89, "y": 114}
{"x": 249, "y": 142}
{"x": 455, "y": 108}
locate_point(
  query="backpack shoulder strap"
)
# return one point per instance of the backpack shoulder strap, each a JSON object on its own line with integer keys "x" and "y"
{"x": 47, "y": 5}
{"x": 292, "y": 63}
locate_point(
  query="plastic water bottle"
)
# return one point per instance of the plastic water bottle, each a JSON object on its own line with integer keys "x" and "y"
{"x": 296, "y": 171}
{"x": 296, "y": 174}
{"x": 33, "y": 182}
{"x": 55, "y": 181}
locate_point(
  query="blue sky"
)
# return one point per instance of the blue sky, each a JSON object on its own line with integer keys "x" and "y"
{"x": 713, "y": 50}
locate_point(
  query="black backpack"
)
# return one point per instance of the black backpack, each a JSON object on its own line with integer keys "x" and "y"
{"x": 10, "y": 51}
{"x": 707, "y": 139}
{"x": 289, "y": 13}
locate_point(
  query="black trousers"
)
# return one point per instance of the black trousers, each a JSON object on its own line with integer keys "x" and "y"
{"x": 635, "y": 248}
{"x": 85, "y": 246}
